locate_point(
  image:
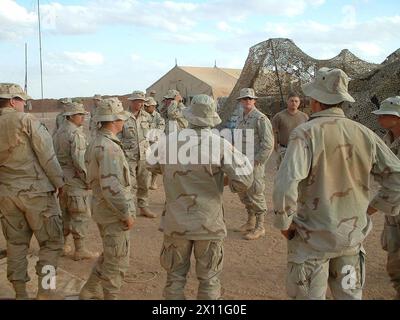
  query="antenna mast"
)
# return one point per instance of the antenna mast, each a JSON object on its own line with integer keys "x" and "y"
{"x": 40, "y": 51}
{"x": 26, "y": 68}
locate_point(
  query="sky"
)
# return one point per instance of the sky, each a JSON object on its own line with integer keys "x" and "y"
{"x": 117, "y": 46}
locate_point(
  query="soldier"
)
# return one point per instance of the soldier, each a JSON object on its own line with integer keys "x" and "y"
{"x": 112, "y": 205}
{"x": 389, "y": 119}
{"x": 30, "y": 178}
{"x": 157, "y": 127}
{"x": 193, "y": 216}
{"x": 92, "y": 124}
{"x": 321, "y": 212}
{"x": 173, "y": 111}
{"x": 60, "y": 117}
{"x": 284, "y": 122}
{"x": 134, "y": 140}
{"x": 260, "y": 150}
{"x": 70, "y": 146}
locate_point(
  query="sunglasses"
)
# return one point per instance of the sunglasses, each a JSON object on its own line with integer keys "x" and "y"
{"x": 247, "y": 98}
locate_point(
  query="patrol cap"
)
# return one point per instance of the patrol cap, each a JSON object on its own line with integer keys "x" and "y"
{"x": 330, "y": 86}
{"x": 390, "y": 106}
{"x": 150, "y": 102}
{"x": 202, "y": 112}
{"x": 74, "y": 108}
{"x": 137, "y": 95}
{"x": 247, "y": 93}
{"x": 65, "y": 100}
{"x": 110, "y": 109}
{"x": 171, "y": 94}
{"x": 12, "y": 90}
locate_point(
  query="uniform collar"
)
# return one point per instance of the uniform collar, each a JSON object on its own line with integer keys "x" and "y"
{"x": 331, "y": 112}
{"x": 7, "y": 110}
{"x": 108, "y": 134}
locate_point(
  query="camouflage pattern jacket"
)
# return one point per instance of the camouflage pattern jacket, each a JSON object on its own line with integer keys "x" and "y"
{"x": 133, "y": 136}
{"x": 28, "y": 163}
{"x": 108, "y": 175}
{"x": 393, "y": 144}
{"x": 174, "y": 114}
{"x": 194, "y": 206}
{"x": 157, "y": 124}
{"x": 261, "y": 127}
{"x": 70, "y": 146}
{"x": 323, "y": 183}
{"x": 59, "y": 121}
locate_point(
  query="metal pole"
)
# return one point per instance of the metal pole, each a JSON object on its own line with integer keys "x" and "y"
{"x": 40, "y": 51}
{"x": 26, "y": 68}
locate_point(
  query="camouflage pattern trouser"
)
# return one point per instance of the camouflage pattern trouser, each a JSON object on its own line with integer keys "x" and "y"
{"x": 281, "y": 154}
{"x": 391, "y": 243}
{"x": 140, "y": 179}
{"x": 254, "y": 198}
{"x": 175, "y": 259}
{"x": 24, "y": 215}
{"x": 309, "y": 279}
{"x": 113, "y": 264}
{"x": 75, "y": 214}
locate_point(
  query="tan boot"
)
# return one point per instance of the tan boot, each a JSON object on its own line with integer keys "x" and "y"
{"x": 81, "y": 252}
{"x": 110, "y": 296}
{"x": 47, "y": 294}
{"x": 249, "y": 225}
{"x": 258, "y": 231}
{"x": 147, "y": 213}
{"x": 20, "y": 290}
{"x": 153, "y": 184}
{"x": 92, "y": 290}
{"x": 67, "y": 248}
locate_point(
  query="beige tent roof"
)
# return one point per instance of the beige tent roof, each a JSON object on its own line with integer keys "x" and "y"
{"x": 222, "y": 80}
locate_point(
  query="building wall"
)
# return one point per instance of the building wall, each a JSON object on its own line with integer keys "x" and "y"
{"x": 182, "y": 81}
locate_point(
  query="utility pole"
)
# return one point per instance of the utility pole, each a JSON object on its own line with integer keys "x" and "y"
{"x": 26, "y": 68}
{"x": 40, "y": 50}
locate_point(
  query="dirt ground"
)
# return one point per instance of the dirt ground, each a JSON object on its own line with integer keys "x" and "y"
{"x": 253, "y": 270}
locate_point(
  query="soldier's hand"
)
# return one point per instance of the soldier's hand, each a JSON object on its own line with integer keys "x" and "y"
{"x": 289, "y": 233}
{"x": 226, "y": 181}
{"x": 128, "y": 223}
{"x": 371, "y": 210}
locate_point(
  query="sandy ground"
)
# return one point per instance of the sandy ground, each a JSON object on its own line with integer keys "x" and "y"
{"x": 253, "y": 270}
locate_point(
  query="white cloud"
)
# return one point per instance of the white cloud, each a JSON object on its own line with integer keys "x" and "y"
{"x": 135, "y": 57}
{"x": 15, "y": 20}
{"x": 349, "y": 16}
{"x": 85, "y": 58}
{"x": 188, "y": 38}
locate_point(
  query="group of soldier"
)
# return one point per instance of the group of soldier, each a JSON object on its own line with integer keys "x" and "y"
{"x": 51, "y": 186}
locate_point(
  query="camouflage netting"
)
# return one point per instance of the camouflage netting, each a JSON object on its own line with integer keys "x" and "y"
{"x": 370, "y": 90}
{"x": 281, "y": 59}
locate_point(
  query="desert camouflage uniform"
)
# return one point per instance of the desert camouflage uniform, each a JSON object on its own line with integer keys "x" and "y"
{"x": 193, "y": 217}
{"x": 135, "y": 144}
{"x": 175, "y": 119}
{"x": 329, "y": 214}
{"x": 70, "y": 146}
{"x": 254, "y": 198}
{"x": 157, "y": 123}
{"x": 108, "y": 174}
{"x": 391, "y": 231}
{"x": 29, "y": 175}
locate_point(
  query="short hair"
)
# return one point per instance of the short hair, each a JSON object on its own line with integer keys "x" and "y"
{"x": 325, "y": 106}
{"x": 294, "y": 94}
{"x": 4, "y": 102}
